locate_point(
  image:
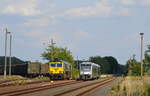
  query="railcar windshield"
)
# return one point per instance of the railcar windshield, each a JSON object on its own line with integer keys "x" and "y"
{"x": 59, "y": 65}
{"x": 85, "y": 66}
{"x": 53, "y": 65}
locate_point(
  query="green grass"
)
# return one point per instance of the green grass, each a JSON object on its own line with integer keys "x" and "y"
{"x": 20, "y": 82}
{"x": 42, "y": 78}
{"x": 13, "y": 77}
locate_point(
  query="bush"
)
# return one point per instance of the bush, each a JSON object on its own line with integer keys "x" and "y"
{"x": 42, "y": 78}
{"x": 132, "y": 86}
{"x": 75, "y": 73}
{"x": 20, "y": 82}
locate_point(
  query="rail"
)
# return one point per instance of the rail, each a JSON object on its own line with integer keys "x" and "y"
{"x": 36, "y": 89}
{"x": 95, "y": 85}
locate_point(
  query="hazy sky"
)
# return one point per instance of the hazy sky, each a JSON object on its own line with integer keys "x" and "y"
{"x": 86, "y": 27}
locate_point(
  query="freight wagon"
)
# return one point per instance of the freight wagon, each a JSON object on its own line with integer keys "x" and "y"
{"x": 28, "y": 69}
{"x": 44, "y": 71}
{"x": 36, "y": 69}
{"x": 16, "y": 69}
{"x": 33, "y": 69}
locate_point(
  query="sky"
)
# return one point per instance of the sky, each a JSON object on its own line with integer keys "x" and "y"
{"x": 86, "y": 27}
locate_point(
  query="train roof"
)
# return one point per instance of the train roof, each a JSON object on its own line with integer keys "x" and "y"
{"x": 90, "y": 63}
{"x": 60, "y": 61}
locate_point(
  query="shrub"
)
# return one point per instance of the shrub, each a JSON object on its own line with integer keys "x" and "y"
{"x": 132, "y": 86}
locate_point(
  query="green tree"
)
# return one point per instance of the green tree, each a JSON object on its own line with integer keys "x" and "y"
{"x": 147, "y": 60}
{"x": 113, "y": 64}
{"x": 122, "y": 69}
{"x": 53, "y": 52}
{"x": 102, "y": 62}
{"x": 14, "y": 60}
{"x": 134, "y": 67}
{"x": 109, "y": 65}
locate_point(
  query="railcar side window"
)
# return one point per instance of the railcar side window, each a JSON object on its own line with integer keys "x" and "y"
{"x": 59, "y": 65}
{"x": 53, "y": 65}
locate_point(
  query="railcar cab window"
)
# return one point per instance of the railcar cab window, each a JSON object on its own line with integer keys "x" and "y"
{"x": 86, "y": 66}
{"x": 53, "y": 65}
{"x": 59, "y": 65}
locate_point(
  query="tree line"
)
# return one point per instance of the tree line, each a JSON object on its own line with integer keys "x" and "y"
{"x": 14, "y": 60}
{"x": 109, "y": 64}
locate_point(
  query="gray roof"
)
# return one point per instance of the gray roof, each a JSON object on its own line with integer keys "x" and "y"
{"x": 90, "y": 63}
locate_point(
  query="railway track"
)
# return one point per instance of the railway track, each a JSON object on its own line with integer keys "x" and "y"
{"x": 81, "y": 91}
{"x": 37, "y": 89}
{"x": 5, "y": 81}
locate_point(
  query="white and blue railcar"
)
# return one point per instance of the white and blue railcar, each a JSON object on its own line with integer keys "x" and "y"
{"x": 89, "y": 70}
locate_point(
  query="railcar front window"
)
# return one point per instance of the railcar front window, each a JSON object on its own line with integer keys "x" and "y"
{"x": 85, "y": 66}
{"x": 53, "y": 65}
{"x": 59, "y": 65}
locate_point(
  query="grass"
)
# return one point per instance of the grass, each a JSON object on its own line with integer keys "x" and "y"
{"x": 13, "y": 77}
{"x": 42, "y": 78}
{"x": 23, "y": 82}
{"x": 106, "y": 75}
{"x": 20, "y": 82}
{"x": 132, "y": 86}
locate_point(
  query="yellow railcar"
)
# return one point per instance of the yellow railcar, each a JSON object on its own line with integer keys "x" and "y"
{"x": 60, "y": 70}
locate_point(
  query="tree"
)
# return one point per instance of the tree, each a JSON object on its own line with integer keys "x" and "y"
{"x": 14, "y": 60}
{"x": 54, "y": 52}
{"x": 147, "y": 60}
{"x": 102, "y": 62}
{"x": 113, "y": 63}
{"x": 134, "y": 67}
{"x": 122, "y": 69}
{"x": 109, "y": 65}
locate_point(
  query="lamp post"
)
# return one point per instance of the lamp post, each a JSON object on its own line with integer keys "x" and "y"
{"x": 142, "y": 53}
{"x": 10, "y": 55}
{"x": 5, "y": 66}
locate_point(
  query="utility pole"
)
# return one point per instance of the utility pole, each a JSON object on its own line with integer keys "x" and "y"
{"x": 10, "y": 55}
{"x": 5, "y": 66}
{"x": 77, "y": 62}
{"x": 142, "y": 54}
{"x": 134, "y": 56}
{"x": 52, "y": 44}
